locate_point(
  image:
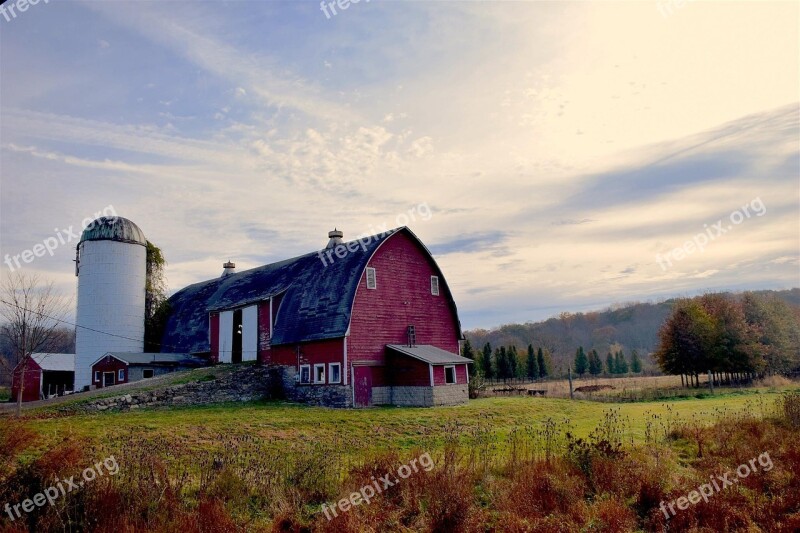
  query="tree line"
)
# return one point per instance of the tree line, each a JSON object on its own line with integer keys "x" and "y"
{"x": 729, "y": 337}
{"x": 616, "y": 364}
{"x": 506, "y": 362}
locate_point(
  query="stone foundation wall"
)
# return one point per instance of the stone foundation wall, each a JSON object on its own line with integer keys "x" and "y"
{"x": 381, "y": 395}
{"x": 412, "y": 396}
{"x": 450, "y": 394}
{"x": 322, "y": 395}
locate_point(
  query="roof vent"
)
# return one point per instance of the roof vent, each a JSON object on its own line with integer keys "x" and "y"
{"x": 335, "y": 237}
{"x": 228, "y": 268}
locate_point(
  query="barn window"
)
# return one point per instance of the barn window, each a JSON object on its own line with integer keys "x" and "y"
{"x": 435, "y": 285}
{"x": 97, "y": 375}
{"x": 449, "y": 375}
{"x": 121, "y": 375}
{"x": 372, "y": 282}
{"x": 319, "y": 373}
{"x": 305, "y": 374}
{"x": 147, "y": 373}
{"x": 335, "y": 373}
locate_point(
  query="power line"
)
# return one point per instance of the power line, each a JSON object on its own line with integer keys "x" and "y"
{"x": 82, "y": 327}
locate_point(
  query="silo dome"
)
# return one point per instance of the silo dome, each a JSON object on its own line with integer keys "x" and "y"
{"x": 111, "y": 265}
{"x": 113, "y": 229}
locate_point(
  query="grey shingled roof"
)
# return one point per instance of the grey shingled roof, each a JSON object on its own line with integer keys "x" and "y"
{"x": 316, "y": 299}
{"x": 429, "y": 354}
{"x": 157, "y": 358}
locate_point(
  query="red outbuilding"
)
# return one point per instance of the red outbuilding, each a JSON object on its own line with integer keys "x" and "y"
{"x": 360, "y": 323}
{"x": 45, "y": 375}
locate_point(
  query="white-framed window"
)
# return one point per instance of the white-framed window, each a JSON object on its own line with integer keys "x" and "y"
{"x": 121, "y": 375}
{"x": 372, "y": 281}
{"x": 147, "y": 373}
{"x": 334, "y": 372}
{"x": 319, "y": 373}
{"x": 97, "y": 375}
{"x": 305, "y": 373}
{"x": 435, "y": 285}
{"x": 449, "y": 375}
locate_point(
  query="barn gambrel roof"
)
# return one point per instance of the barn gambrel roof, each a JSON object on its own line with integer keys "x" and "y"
{"x": 316, "y": 303}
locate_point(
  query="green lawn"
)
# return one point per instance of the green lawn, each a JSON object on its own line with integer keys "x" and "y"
{"x": 280, "y": 424}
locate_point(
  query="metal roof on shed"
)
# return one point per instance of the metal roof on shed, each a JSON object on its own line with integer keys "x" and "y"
{"x": 134, "y": 358}
{"x": 55, "y": 362}
{"x": 430, "y": 354}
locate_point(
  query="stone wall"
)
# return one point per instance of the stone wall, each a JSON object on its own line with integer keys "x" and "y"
{"x": 248, "y": 383}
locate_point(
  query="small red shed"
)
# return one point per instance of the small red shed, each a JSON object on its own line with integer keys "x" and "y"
{"x": 45, "y": 375}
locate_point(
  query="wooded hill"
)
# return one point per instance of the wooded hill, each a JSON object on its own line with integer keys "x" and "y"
{"x": 626, "y": 327}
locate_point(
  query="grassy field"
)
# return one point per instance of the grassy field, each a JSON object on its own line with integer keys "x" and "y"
{"x": 387, "y": 428}
{"x": 498, "y": 464}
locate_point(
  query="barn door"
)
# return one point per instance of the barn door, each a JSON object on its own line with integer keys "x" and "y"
{"x": 250, "y": 333}
{"x": 362, "y": 385}
{"x": 225, "y": 336}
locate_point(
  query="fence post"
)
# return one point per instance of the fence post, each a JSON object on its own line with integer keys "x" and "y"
{"x": 569, "y": 376}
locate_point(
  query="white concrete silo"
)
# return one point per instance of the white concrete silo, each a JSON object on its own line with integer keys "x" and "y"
{"x": 111, "y": 264}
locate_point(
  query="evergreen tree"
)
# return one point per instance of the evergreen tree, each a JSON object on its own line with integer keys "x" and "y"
{"x": 486, "y": 361}
{"x": 620, "y": 364}
{"x": 610, "y": 363}
{"x": 469, "y": 353}
{"x": 636, "y": 363}
{"x": 501, "y": 363}
{"x": 581, "y": 364}
{"x": 595, "y": 364}
{"x": 532, "y": 365}
{"x": 513, "y": 361}
{"x": 543, "y": 363}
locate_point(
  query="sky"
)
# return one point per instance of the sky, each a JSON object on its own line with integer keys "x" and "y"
{"x": 554, "y": 156}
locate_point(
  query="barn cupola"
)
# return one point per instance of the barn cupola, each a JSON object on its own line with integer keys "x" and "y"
{"x": 335, "y": 237}
{"x": 228, "y": 268}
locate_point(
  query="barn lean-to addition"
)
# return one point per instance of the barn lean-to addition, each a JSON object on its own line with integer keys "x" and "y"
{"x": 368, "y": 322}
{"x": 115, "y": 368}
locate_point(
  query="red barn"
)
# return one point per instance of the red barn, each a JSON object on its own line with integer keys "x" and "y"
{"x": 367, "y": 322}
{"x": 45, "y": 375}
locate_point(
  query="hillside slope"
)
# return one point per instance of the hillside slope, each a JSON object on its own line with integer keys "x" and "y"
{"x": 627, "y": 327}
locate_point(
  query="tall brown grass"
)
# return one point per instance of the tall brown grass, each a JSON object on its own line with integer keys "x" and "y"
{"x": 537, "y": 478}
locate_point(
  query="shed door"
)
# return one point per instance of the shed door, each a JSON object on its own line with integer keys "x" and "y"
{"x": 225, "y": 336}
{"x": 362, "y": 384}
{"x": 250, "y": 333}
{"x": 108, "y": 379}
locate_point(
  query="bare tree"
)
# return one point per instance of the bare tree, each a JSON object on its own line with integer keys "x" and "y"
{"x": 32, "y": 311}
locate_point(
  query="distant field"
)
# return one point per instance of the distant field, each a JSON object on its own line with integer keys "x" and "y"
{"x": 634, "y": 388}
